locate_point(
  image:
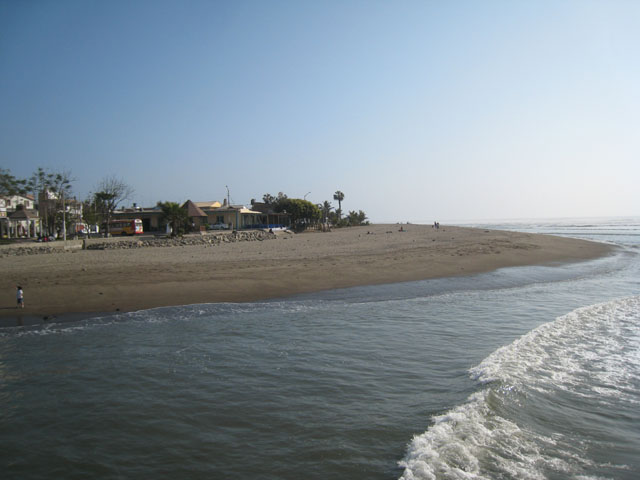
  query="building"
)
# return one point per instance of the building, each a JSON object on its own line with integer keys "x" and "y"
{"x": 151, "y": 217}
{"x": 209, "y": 205}
{"x": 50, "y": 208}
{"x": 18, "y": 217}
{"x": 24, "y": 223}
{"x": 14, "y": 201}
{"x": 197, "y": 217}
{"x": 74, "y": 210}
{"x": 236, "y": 216}
{"x": 271, "y": 218}
{"x": 47, "y": 208}
{"x": 203, "y": 214}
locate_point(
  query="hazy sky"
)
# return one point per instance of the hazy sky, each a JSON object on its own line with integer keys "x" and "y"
{"x": 417, "y": 111}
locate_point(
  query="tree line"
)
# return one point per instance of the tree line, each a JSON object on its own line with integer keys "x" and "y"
{"x": 304, "y": 213}
{"x": 111, "y": 192}
{"x": 56, "y": 190}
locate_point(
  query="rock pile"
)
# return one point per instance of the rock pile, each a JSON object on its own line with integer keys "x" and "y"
{"x": 6, "y": 252}
{"x": 251, "y": 236}
{"x": 215, "y": 239}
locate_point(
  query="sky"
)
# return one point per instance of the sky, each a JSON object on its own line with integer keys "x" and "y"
{"x": 416, "y": 110}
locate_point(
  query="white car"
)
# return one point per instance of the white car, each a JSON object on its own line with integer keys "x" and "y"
{"x": 220, "y": 226}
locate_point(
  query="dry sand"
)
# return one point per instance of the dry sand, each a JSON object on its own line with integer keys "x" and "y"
{"x": 90, "y": 281}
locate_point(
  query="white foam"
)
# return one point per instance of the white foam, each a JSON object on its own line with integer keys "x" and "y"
{"x": 599, "y": 342}
{"x": 463, "y": 441}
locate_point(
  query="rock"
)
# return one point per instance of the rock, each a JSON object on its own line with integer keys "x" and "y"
{"x": 208, "y": 240}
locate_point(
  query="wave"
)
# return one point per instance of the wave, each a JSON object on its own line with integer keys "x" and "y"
{"x": 541, "y": 396}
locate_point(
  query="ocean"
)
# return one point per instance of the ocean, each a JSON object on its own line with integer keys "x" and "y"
{"x": 521, "y": 373}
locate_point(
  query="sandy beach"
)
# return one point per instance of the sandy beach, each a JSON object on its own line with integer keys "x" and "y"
{"x": 88, "y": 281}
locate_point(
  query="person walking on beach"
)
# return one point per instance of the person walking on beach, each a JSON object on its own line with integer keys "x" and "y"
{"x": 20, "y": 297}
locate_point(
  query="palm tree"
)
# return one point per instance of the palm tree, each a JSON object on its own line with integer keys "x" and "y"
{"x": 174, "y": 215}
{"x": 325, "y": 208}
{"x": 357, "y": 218}
{"x": 339, "y": 196}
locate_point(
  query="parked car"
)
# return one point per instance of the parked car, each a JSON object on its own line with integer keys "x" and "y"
{"x": 219, "y": 226}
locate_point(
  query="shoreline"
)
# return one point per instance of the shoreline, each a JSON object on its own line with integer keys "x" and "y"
{"x": 89, "y": 283}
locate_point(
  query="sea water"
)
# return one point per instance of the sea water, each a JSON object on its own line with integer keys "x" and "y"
{"x": 528, "y": 372}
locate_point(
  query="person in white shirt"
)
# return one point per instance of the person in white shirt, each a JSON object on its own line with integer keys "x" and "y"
{"x": 20, "y": 297}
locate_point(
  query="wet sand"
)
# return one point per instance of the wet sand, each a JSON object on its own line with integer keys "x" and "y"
{"x": 90, "y": 281}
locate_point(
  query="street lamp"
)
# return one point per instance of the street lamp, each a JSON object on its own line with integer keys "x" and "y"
{"x": 305, "y": 195}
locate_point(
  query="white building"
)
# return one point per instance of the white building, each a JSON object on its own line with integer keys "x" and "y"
{"x": 18, "y": 216}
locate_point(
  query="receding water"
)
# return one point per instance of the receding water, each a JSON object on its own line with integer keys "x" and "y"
{"x": 521, "y": 373}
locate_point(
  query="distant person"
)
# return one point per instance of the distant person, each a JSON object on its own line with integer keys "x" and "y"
{"x": 20, "y": 297}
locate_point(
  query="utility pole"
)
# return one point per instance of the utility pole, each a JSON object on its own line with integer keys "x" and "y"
{"x": 64, "y": 220}
{"x": 236, "y": 226}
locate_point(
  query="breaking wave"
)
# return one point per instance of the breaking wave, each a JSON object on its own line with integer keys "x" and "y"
{"x": 550, "y": 399}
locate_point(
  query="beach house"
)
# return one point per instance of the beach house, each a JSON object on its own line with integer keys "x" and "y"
{"x": 203, "y": 215}
{"x": 151, "y": 217}
{"x": 19, "y": 217}
{"x": 196, "y": 216}
{"x": 269, "y": 217}
{"x": 235, "y": 216}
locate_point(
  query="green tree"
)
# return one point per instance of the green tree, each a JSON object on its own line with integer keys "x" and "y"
{"x": 339, "y": 196}
{"x": 52, "y": 189}
{"x": 303, "y": 213}
{"x": 357, "y": 218}
{"x": 176, "y": 216}
{"x": 58, "y": 183}
{"x": 268, "y": 199}
{"x": 10, "y": 185}
{"x": 272, "y": 201}
{"x": 325, "y": 209}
